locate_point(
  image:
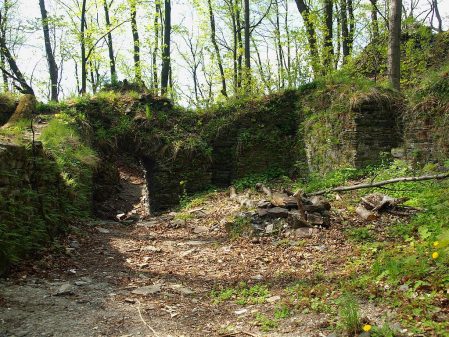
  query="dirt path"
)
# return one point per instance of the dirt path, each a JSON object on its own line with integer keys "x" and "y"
{"x": 155, "y": 278}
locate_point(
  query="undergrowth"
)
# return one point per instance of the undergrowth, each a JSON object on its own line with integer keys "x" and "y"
{"x": 45, "y": 191}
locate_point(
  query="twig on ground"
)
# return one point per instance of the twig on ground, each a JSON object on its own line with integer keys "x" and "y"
{"x": 231, "y": 334}
{"x": 380, "y": 183}
{"x": 145, "y": 322}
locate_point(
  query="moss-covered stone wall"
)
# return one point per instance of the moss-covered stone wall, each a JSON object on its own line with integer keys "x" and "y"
{"x": 426, "y": 121}
{"x": 34, "y": 201}
{"x": 253, "y": 137}
{"x": 349, "y": 126}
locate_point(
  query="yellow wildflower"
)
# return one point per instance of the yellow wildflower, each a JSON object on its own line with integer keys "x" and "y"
{"x": 435, "y": 255}
{"x": 436, "y": 244}
{"x": 366, "y": 328}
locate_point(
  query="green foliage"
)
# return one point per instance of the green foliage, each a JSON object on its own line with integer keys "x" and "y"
{"x": 243, "y": 294}
{"x": 383, "y": 331}
{"x": 16, "y": 130}
{"x": 266, "y": 324}
{"x": 59, "y": 189}
{"x": 283, "y": 311}
{"x": 251, "y": 180}
{"x": 316, "y": 182}
{"x": 362, "y": 234}
{"x": 75, "y": 160}
{"x": 222, "y": 295}
{"x": 239, "y": 227}
{"x": 350, "y": 320}
{"x": 197, "y": 199}
{"x": 256, "y": 294}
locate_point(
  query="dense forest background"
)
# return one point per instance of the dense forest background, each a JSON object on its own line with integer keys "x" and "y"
{"x": 198, "y": 52}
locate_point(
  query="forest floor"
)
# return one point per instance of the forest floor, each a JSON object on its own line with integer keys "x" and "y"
{"x": 180, "y": 274}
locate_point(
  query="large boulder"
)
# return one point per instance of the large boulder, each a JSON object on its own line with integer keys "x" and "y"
{"x": 8, "y": 105}
{"x": 25, "y": 108}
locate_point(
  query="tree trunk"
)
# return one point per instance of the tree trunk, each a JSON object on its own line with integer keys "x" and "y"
{"x": 217, "y": 50}
{"x": 280, "y": 54}
{"x": 232, "y": 13}
{"x": 351, "y": 25}
{"x": 394, "y": 44}
{"x": 247, "y": 46}
{"x": 438, "y": 16}
{"x": 166, "y": 49}
{"x": 156, "y": 45}
{"x": 304, "y": 10}
{"x": 17, "y": 75}
{"x": 338, "y": 48}
{"x": 136, "y": 41}
{"x": 239, "y": 45}
{"x": 328, "y": 35}
{"x": 4, "y": 75}
{"x": 344, "y": 30}
{"x": 374, "y": 20}
{"x": 3, "y": 23}
{"x": 83, "y": 49}
{"x": 52, "y": 66}
{"x": 109, "y": 42}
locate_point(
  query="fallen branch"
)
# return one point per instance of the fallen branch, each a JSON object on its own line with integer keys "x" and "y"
{"x": 238, "y": 333}
{"x": 145, "y": 322}
{"x": 380, "y": 183}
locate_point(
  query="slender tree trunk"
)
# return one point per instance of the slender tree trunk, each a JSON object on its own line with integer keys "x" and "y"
{"x": 259, "y": 66}
{"x": 351, "y": 25}
{"x": 328, "y": 36}
{"x": 109, "y": 42}
{"x": 232, "y": 12}
{"x": 344, "y": 30}
{"x": 83, "y": 48}
{"x": 166, "y": 50}
{"x": 136, "y": 41}
{"x": 438, "y": 16}
{"x": 247, "y": 45}
{"x": 289, "y": 59}
{"x": 280, "y": 57}
{"x": 338, "y": 49}
{"x": 4, "y": 75}
{"x": 304, "y": 10}
{"x": 3, "y": 24}
{"x": 92, "y": 78}
{"x": 394, "y": 50}
{"x": 156, "y": 45}
{"x": 16, "y": 74}
{"x": 239, "y": 44}
{"x": 374, "y": 20}
{"x": 217, "y": 50}
{"x": 52, "y": 66}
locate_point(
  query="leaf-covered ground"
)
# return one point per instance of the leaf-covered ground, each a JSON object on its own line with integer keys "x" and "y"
{"x": 190, "y": 274}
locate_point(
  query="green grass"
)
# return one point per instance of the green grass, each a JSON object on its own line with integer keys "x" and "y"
{"x": 362, "y": 234}
{"x": 219, "y": 296}
{"x": 75, "y": 160}
{"x": 16, "y": 130}
{"x": 266, "y": 324}
{"x": 349, "y": 315}
{"x": 239, "y": 227}
{"x": 242, "y": 294}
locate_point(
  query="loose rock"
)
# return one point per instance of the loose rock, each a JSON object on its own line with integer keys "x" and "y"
{"x": 147, "y": 290}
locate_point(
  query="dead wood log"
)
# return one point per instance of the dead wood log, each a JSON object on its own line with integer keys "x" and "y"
{"x": 262, "y": 188}
{"x": 366, "y": 214}
{"x": 283, "y": 200}
{"x": 380, "y": 183}
{"x": 232, "y": 192}
{"x": 243, "y": 200}
{"x": 298, "y": 197}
